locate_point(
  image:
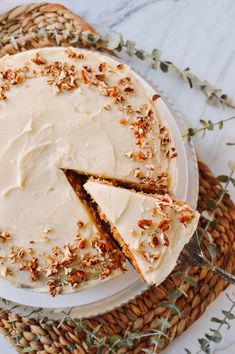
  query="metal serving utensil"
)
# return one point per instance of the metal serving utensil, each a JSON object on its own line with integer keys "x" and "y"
{"x": 192, "y": 255}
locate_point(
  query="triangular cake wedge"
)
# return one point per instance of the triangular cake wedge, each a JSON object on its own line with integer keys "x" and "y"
{"x": 151, "y": 229}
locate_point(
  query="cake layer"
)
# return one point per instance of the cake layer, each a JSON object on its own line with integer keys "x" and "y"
{"x": 151, "y": 229}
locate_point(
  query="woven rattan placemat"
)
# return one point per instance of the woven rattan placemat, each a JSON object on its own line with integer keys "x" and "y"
{"x": 142, "y": 314}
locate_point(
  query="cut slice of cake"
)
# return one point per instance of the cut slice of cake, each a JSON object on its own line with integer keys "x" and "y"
{"x": 151, "y": 229}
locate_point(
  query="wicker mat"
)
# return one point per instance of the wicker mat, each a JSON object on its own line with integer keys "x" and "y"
{"x": 141, "y": 314}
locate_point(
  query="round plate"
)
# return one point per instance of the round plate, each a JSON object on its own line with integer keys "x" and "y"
{"x": 113, "y": 293}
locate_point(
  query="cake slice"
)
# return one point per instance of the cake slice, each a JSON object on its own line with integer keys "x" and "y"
{"x": 151, "y": 229}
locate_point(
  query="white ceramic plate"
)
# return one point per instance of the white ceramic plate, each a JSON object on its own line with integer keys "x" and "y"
{"x": 122, "y": 288}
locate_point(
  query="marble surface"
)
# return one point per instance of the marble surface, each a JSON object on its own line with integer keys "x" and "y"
{"x": 195, "y": 33}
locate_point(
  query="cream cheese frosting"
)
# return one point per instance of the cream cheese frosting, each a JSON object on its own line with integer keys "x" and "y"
{"x": 69, "y": 109}
{"x": 154, "y": 228}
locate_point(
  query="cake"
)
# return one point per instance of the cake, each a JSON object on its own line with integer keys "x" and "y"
{"x": 66, "y": 109}
{"x": 151, "y": 229}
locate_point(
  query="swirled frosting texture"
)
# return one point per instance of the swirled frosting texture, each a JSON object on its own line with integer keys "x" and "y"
{"x": 69, "y": 109}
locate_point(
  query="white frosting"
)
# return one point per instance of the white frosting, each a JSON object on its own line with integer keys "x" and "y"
{"x": 125, "y": 208}
{"x": 42, "y": 132}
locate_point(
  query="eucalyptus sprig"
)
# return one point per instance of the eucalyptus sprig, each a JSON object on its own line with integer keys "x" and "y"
{"x": 206, "y": 126}
{"x": 213, "y": 95}
{"x": 174, "y": 309}
{"x": 115, "y": 42}
{"x": 214, "y": 204}
{"x": 215, "y": 335}
{"x": 13, "y": 332}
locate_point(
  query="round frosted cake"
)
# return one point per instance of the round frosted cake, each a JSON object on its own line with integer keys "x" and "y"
{"x": 63, "y": 111}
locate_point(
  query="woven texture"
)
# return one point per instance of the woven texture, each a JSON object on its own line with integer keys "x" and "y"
{"x": 141, "y": 314}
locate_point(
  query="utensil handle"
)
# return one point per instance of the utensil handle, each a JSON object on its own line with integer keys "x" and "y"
{"x": 200, "y": 259}
{"x": 224, "y": 274}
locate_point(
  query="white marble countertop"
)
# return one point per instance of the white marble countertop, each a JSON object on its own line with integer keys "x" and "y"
{"x": 195, "y": 33}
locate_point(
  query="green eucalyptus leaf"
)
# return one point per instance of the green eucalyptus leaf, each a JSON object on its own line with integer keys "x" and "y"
{"x": 187, "y": 351}
{"x": 164, "y": 67}
{"x": 96, "y": 329}
{"x": 71, "y": 346}
{"x": 221, "y": 124}
{"x": 156, "y": 54}
{"x": 217, "y": 320}
{"x": 211, "y": 203}
{"x": 89, "y": 341}
{"x": 174, "y": 294}
{"x": 203, "y": 123}
{"x": 114, "y": 340}
{"x": 216, "y": 337}
{"x": 174, "y": 308}
{"x": 190, "y": 81}
{"x": 231, "y": 165}
{"x": 190, "y": 280}
{"x": 223, "y": 178}
{"x": 141, "y": 54}
{"x": 164, "y": 323}
{"x": 154, "y": 65}
{"x": 207, "y": 216}
{"x": 131, "y": 338}
{"x": 210, "y": 237}
{"x": 212, "y": 249}
{"x": 229, "y": 315}
{"x": 204, "y": 345}
{"x": 191, "y": 132}
{"x": 224, "y": 96}
{"x": 157, "y": 341}
{"x": 27, "y": 350}
{"x": 210, "y": 125}
{"x": 130, "y": 48}
{"x": 168, "y": 62}
{"x": 179, "y": 274}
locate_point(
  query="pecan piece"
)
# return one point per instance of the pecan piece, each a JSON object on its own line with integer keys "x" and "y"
{"x": 145, "y": 223}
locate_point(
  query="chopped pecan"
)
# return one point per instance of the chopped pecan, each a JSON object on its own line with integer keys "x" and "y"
{"x": 54, "y": 287}
{"x": 4, "y": 237}
{"x": 123, "y": 121}
{"x": 100, "y": 77}
{"x": 128, "y": 90}
{"x": 74, "y": 55}
{"x": 81, "y": 242}
{"x": 38, "y": 59}
{"x": 107, "y": 107}
{"x": 187, "y": 217}
{"x": 80, "y": 224}
{"x": 76, "y": 276}
{"x": 166, "y": 240}
{"x": 163, "y": 224}
{"x": 100, "y": 246}
{"x": 3, "y": 97}
{"x": 102, "y": 66}
{"x": 155, "y": 97}
{"x": 124, "y": 80}
{"x": 120, "y": 66}
{"x": 154, "y": 242}
{"x": 145, "y": 223}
